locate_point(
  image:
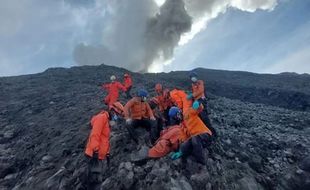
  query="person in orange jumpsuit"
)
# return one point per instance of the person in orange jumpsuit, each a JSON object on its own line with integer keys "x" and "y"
{"x": 194, "y": 137}
{"x": 169, "y": 139}
{"x": 179, "y": 98}
{"x": 98, "y": 144}
{"x": 138, "y": 113}
{"x": 164, "y": 102}
{"x": 198, "y": 94}
{"x": 113, "y": 90}
{"x": 128, "y": 84}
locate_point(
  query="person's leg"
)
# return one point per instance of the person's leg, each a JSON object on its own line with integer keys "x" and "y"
{"x": 131, "y": 129}
{"x": 128, "y": 92}
{"x": 198, "y": 149}
{"x": 186, "y": 148}
{"x": 204, "y": 116}
{"x": 151, "y": 126}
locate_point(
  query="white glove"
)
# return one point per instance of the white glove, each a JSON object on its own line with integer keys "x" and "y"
{"x": 128, "y": 121}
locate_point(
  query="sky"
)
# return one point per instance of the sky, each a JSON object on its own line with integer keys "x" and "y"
{"x": 262, "y": 36}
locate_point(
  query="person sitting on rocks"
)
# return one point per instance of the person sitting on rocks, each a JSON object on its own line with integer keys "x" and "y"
{"x": 154, "y": 105}
{"x": 198, "y": 94}
{"x": 164, "y": 102}
{"x": 138, "y": 113}
{"x": 194, "y": 137}
{"x": 98, "y": 144}
{"x": 113, "y": 90}
{"x": 168, "y": 140}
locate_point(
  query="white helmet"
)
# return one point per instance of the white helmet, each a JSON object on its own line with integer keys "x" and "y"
{"x": 113, "y": 78}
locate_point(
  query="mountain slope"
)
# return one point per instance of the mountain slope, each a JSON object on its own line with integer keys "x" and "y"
{"x": 44, "y": 126}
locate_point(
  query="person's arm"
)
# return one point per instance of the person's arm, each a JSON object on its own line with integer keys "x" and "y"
{"x": 122, "y": 87}
{"x": 127, "y": 108}
{"x": 106, "y": 86}
{"x": 150, "y": 112}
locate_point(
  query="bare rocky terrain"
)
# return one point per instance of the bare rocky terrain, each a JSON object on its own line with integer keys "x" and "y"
{"x": 263, "y": 123}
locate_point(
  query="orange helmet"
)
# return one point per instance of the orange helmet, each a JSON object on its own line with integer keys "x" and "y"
{"x": 117, "y": 107}
{"x": 158, "y": 88}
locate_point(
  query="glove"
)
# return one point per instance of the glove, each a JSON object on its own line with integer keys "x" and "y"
{"x": 128, "y": 121}
{"x": 176, "y": 155}
{"x": 189, "y": 96}
{"x": 196, "y": 105}
{"x": 153, "y": 118}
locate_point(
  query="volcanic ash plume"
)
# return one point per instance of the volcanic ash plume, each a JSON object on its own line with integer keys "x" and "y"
{"x": 141, "y": 35}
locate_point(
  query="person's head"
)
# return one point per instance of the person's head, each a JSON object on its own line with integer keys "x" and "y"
{"x": 175, "y": 115}
{"x": 126, "y": 75}
{"x": 113, "y": 78}
{"x": 193, "y": 76}
{"x": 142, "y": 93}
{"x": 116, "y": 110}
{"x": 158, "y": 88}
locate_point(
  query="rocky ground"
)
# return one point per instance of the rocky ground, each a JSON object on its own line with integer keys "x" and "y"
{"x": 44, "y": 127}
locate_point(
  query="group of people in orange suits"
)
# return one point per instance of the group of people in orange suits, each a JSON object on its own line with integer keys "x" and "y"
{"x": 177, "y": 121}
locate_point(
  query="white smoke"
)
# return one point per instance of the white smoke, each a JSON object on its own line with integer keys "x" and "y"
{"x": 141, "y": 35}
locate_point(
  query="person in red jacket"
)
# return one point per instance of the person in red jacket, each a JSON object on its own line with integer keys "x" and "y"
{"x": 128, "y": 84}
{"x": 113, "y": 90}
{"x": 98, "y": 144}
{"x": 198, "y": 94}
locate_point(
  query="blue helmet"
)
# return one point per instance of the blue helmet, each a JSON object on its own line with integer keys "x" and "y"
{"x": 193, "y": 74}
{"x": 142, "y": 93}
{"x": 174, "y": 111}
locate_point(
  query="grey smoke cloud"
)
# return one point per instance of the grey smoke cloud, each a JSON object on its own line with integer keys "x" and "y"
{"x": 164, "y": 31}
{"x": 138, "y": 32}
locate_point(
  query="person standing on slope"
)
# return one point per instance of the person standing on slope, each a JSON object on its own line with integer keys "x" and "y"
{"x": 113, "y": 91}
{"x": 98, "y": 144}
{"x": 127, "y": 84}
{"x": 138, "y": 113}
{"x": 198, "y": 95}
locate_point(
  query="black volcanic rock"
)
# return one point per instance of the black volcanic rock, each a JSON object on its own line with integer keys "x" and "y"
{"x": 263, "y": 123}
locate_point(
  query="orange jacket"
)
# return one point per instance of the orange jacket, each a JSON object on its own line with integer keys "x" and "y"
{"x": 127, "y": 81}
{"x": 163, "y": 100}
{"x": 136, "y": 109}
{"x": 192, "y": 125}
{"x": 198, "y": 89}
{"x": 113, "y": 93}
{"x": 179, "y": 98}
{"x": 99, "y": 138}
{"x": 167, "y": 142}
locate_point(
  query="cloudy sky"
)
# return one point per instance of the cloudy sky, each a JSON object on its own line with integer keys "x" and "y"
{"x": 264, "y": 36}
